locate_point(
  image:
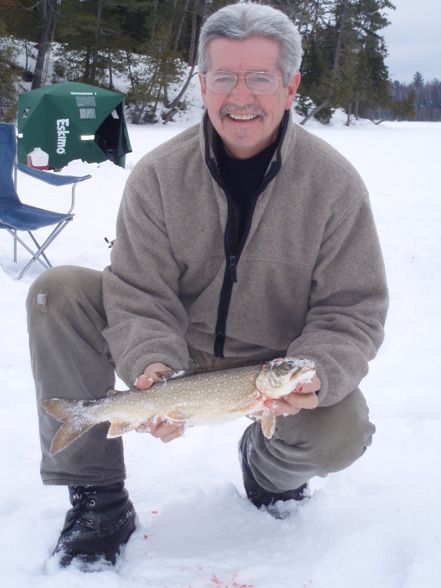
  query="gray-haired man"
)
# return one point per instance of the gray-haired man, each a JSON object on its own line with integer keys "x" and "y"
{"x": 243, "y": 238}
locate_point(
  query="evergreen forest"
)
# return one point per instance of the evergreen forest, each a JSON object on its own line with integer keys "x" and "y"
{"x": 152, "y": 46}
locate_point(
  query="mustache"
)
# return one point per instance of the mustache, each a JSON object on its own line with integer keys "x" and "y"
{"x": 246, "y": 109}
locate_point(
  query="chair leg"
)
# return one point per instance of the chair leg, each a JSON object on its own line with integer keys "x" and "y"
{"x": 43, "y": 255}
{"x": 15, "y": 245}
{"x": 38, "y": 255}
{"x": 17, "y": 239}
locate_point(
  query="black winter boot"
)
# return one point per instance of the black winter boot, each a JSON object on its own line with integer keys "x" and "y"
{"x": 100, "y": 522}
{"x": 258, "y": 495}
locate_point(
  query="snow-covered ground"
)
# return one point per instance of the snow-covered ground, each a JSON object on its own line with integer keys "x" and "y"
{"x": 375, "y": 525}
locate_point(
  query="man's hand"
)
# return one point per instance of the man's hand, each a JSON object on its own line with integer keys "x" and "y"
{"x": 303, "y": 396}
{"x": 164, "y": 430}
{"x": 150, "y": 375}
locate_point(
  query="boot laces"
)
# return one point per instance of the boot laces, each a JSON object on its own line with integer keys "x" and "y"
{"x": 83, "y": 503}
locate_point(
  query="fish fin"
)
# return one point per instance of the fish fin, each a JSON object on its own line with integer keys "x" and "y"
{"x": 75, "y": 421}
{"x": 268, "y": 423}
{"x": 60, "y": 408}
{"x": 112, "y": 392}
{"x": 176, "y": 415}
{"x": 67, "y": 434}
{"x": 118, "y": 428}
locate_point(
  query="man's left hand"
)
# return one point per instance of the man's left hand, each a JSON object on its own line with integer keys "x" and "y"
{"x": 303, "y": 396}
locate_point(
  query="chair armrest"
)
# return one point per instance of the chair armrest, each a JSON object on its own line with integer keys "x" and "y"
{"x": 50, "y": 178}
{"x": 53, "y": 179}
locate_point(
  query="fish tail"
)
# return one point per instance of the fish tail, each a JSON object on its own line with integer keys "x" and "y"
{"x": 75, "y": 419}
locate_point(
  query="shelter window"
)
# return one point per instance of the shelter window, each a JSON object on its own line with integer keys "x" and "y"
{"x": 114, "y": 114}
{"x": 26, "y": 112}
{"x": 86, "y": 106}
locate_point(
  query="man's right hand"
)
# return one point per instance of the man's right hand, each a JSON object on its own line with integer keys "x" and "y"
{"x": 166, "y": 431}
{"x": 150, "y": 375}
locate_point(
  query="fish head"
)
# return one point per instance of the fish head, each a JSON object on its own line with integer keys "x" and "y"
{"x": 279, "y": 377}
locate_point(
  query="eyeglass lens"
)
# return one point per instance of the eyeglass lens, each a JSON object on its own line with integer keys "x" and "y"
{"x": 258, "y": 82}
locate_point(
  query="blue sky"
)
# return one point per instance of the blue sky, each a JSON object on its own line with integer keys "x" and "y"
{"x": 414, "y": 39}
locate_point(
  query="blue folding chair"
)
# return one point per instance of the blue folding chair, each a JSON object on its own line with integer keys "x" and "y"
{"x": 16, "y": 216}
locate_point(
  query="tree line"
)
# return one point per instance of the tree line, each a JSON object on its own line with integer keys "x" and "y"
{"x": 419, "y": 100}
{"x": 153, "y": 43}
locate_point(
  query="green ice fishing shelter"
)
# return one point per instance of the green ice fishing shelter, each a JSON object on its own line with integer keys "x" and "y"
{"x": 72, "y": 121}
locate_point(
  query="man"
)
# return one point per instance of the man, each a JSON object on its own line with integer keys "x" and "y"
{"x": 243, "y": 238}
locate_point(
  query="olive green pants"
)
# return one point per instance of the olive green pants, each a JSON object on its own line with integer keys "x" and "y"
{"x": 70, "y": 359}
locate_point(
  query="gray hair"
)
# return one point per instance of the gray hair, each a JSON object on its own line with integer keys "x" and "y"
{"x": 243, "y": 20}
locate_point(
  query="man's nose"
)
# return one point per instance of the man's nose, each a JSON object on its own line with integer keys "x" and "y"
{"x": 241, "y": 89}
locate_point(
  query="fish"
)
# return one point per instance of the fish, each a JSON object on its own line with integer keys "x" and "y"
{"x": 193, "y": 398}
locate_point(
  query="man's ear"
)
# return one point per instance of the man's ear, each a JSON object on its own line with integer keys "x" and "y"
{"x": 203, "y": 88}
{"x": 293, "y": 84}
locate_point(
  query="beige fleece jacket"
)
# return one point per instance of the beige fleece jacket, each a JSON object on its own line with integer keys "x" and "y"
{"x": 310, "y": 278}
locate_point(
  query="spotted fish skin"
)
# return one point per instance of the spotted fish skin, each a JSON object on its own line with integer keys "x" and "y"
{"x": 194, "y": 399}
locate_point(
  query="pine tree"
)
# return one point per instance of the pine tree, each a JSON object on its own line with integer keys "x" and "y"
{"x": 9, "y": 74}
{"x": 418, "y": 80}
{"x": 344, "y": 58}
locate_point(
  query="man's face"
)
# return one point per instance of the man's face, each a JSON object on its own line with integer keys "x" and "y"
{"x": 247, "y": 122}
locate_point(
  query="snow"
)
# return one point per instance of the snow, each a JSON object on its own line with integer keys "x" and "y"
{"x": 375, "y": 525}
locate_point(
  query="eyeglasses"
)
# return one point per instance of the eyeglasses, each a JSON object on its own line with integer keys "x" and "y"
{"x": 259, "y": 82}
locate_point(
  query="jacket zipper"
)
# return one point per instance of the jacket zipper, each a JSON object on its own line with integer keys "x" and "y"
{"x": 230, "y": 275}
{"x": 232, "y": 257}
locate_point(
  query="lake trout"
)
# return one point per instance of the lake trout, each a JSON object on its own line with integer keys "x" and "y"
{"x": 193, "y": 398}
